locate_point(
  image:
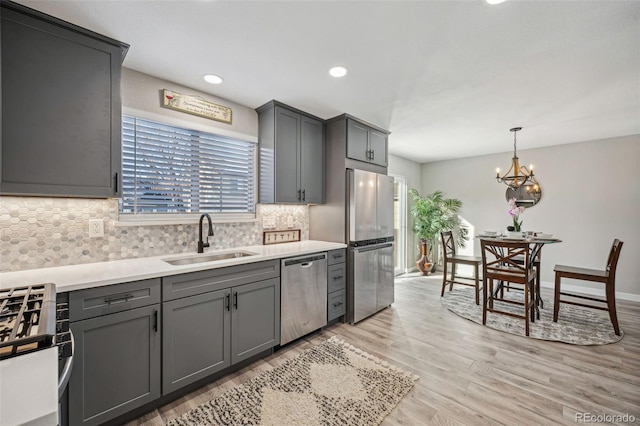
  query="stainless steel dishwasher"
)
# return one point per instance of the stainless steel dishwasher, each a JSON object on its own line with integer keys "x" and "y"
{"x": 303, "y": 303}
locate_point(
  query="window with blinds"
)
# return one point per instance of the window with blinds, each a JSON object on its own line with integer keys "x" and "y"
{"x": 171, "y": 170}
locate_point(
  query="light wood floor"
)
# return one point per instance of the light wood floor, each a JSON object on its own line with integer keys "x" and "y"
{"x": 470, "y": 374}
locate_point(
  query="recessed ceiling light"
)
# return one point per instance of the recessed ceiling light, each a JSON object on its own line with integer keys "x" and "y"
{"x": 495, "y": 1}
{"x": 213, "y": 79}
{"x": 338, "y": 71}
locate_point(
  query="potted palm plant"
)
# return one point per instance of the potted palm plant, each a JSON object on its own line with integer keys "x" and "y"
{"x": 433, "y": 214}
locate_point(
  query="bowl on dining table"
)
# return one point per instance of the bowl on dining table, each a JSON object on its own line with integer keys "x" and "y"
{"x": 515, "y": 234}
{"x": 490, "y": 233}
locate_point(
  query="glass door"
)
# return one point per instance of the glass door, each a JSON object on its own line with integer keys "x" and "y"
{"x": 399, "y": 223}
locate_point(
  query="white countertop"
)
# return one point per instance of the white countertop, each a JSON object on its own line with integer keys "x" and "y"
{"x": 88, "y": 275}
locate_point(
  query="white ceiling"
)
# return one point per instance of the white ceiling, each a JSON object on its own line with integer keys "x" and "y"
{"x": 447, "y": 78}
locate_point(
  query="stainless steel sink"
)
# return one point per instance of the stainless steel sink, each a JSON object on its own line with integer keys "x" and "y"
{"x": 201, "y": 258}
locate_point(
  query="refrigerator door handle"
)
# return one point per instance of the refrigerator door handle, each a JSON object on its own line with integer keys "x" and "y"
{"x": 364, "y": 249}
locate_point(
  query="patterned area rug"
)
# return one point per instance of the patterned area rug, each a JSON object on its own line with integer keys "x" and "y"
{"x": 332, "y": 383}
{"x": 576, "y": 325}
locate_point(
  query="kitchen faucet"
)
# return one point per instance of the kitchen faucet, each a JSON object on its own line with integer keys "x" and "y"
{"x": 202, "y": 244}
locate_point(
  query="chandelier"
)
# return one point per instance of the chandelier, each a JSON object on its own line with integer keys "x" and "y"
{"x": 518, "y": 175}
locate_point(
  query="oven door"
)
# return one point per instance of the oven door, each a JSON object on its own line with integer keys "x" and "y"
{"x": 29, "y": 388}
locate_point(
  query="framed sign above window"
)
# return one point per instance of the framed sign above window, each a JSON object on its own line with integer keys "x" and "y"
{"x": 195, "y": 105}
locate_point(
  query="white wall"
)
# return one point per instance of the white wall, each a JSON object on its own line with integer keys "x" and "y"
{"x": 590, "y": 195}
{"x": 411, "y": 170}
{"x": 142, "y": 96}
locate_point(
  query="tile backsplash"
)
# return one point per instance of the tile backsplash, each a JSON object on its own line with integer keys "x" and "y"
{"x": 43, "y": 232}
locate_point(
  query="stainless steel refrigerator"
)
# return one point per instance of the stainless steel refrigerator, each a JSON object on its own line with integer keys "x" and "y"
{"x": 370, "y": 232}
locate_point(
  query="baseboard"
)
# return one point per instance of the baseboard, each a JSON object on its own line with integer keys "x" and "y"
{"x": 591, "y": 291}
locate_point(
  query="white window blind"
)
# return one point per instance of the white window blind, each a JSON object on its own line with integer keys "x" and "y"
{"x": 168, "y": 169}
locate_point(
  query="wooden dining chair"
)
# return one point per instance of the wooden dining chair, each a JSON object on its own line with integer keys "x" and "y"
{"x": 606, "y": 276}
{"x": 535, "y": 263}
{"x": 499, "y": 264}
{"x": 451, "y": 259}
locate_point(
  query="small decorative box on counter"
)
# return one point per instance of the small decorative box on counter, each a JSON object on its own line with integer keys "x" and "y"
{"x": 277, "y": 237}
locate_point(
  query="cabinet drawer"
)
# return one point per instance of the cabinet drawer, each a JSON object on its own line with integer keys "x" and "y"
{"x": 336, "y": 277}
{"x": 109, "y": 299}
{"x": 336, "y": 305}
{"x": 336, "y": 256}
{"x": 178, "y": 286}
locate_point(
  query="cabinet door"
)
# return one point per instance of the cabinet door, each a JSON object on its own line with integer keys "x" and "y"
{"x": 312, "y": 160}
{"x": 61, "y": 125}
{"x": 378, "y": 147}
{"x": 195, "y": 338}
{"x": 357, "y": 141}
{"x": 287, "y": 155}
{"x": 255, "y": 318}
{"x": 116, "y": 365}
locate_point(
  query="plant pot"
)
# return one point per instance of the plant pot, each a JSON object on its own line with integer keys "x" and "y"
{"x": 423, "y": 264}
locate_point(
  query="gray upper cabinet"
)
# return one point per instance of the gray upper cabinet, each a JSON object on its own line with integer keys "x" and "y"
{"x": 312, "y": 160}
{"x": 291, "y": 146}
{"x": 357, "y": 141}
{"x": 61, "y": 115}
{"x": 378, "y": 147}
{"x": 364, "y": 143}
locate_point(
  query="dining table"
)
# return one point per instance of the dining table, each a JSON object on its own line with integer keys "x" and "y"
{"x": 536, "y": 243}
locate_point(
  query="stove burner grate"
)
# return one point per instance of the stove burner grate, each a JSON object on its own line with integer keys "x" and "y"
{"x": 27, "y": 319}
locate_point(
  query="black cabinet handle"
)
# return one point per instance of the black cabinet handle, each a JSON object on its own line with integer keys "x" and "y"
{"x": 336, "y": 255}
{"x": 228, "y": 303}
{"x": 304, "y": 194}
{"x": 373, "y": 154}
{"x": 368, "y": 155}
{"x": 155, "y": 321}
{"x": 337, "y": 277}
{"x": 299, "y": 195}
{"x": 119, "y": 298}
{"x": 115, "y": 183}
{"x": 235, "y": 300}
{"x": 335, "y": 305}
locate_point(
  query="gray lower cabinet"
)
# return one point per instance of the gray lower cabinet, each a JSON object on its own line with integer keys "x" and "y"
{"x": 196, "y": 338}
{"x": 61, "y": 125}
{"x": 255, "y": 318}
{"x": 336, "y": 284}
{"x": 207, "y": 332}
{"x": 116, "y": 365}
{"x": 134, "y": 342}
